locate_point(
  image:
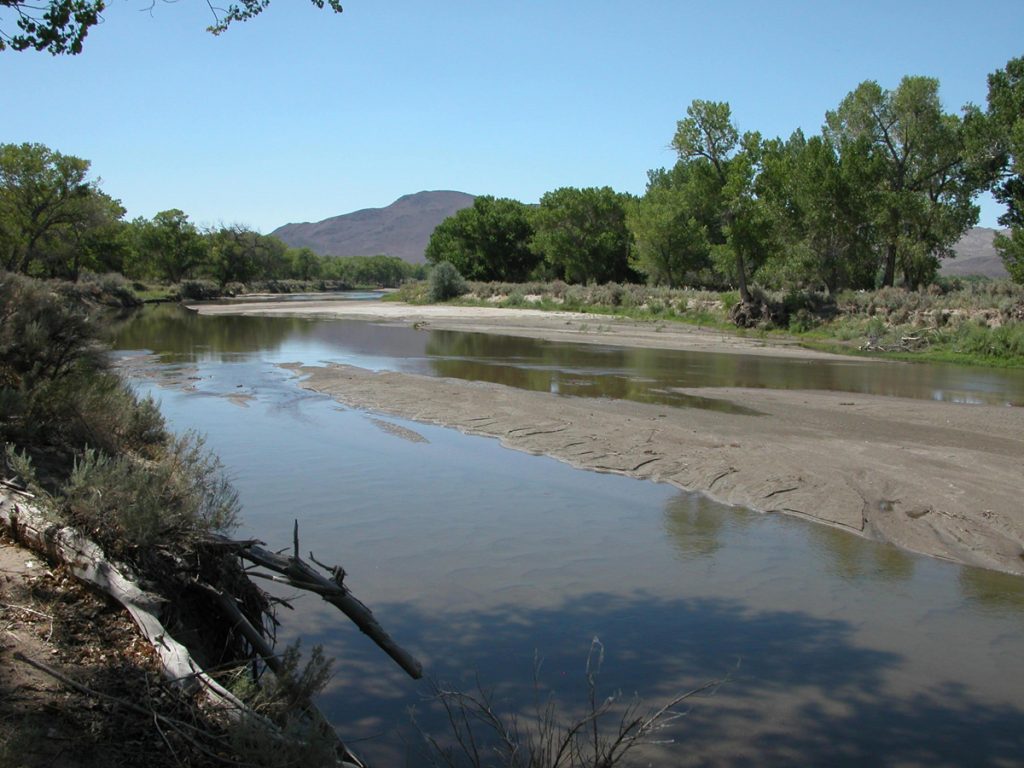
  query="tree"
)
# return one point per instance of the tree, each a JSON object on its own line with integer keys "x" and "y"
{"x": 1004, "y": 127}
{"x": 61, "y": 26}
{"x": 171, "y": 246}
{"x": 94, "y": 240}
{"x": 305, "y": 264}
{"x": 487, "y": 241}
{"x": 239, "y": 254}
{"x": 821, "y": 198}
{"x": 925, "y": 190}
{"x": 723, "y": 168}
{"x": 582, "y": 234}
{"x": 670, "y": 243}
{"x": 41, "y": 192}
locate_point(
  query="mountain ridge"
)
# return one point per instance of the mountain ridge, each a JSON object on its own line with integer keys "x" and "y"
{"x": 401, "y": 229}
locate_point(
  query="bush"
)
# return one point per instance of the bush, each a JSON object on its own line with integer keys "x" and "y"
{"x": 446, "y": 282}
{"x": 199, "y": 290}
{"x": 110, "y": 289}
{"x": 124, "y": 502}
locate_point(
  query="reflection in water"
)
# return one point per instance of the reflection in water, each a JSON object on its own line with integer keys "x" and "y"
{"x": 992, "y": 589}
{"x": 582, "y": 370}
{"x": 695, "y": 524}
{"x": 856, "y": 559}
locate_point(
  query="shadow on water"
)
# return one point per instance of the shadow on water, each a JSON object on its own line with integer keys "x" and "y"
{"x": 804, "y": 693}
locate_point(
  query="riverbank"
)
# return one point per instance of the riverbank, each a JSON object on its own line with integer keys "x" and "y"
{"x": 577, "y": 327}
{"x": 936, "y": 478}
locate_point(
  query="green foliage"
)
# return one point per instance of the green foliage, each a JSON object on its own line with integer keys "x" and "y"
{"x": 125, "y": 503}
{"x": 582, "y": 235}
{"x": 170, "y": 247}
{"x": 238, "y": 255}
{"x": 45, "y": 200}
{"x": 670, "y": 245}
{"x": 821, "y": 198}
{"x": 923, "y": 199}
{"x": 378, "y": 271}
{"x": 722, "y": 167}
{"x": 285, "y": 701}
{"x": 103, "y": 455}
{"x": 1011, "y": 250}
{"x": 487, "y": 241}
{"x": 1005, "y": 136}
{"x": 61, "y": 26}
{"x": 446, "y": 282}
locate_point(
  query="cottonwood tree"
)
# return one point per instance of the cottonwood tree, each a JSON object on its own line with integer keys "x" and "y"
{"x": 239, "y": 254}
{"x": 670, "y": 240}
{"x": 582, "y": 234}
{"x": 61, "y": 26}
{"x": 926, "y": 186}
{"x": 487, "y": 241}
{"x": 822, "y": 198}
{"x": 1004, "y": 130}
{"x": 170, "y": 246}
{"x": 723, "y": 167}
{"x": 41, "y": 193}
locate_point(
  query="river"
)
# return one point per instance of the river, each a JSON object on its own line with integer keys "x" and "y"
{"x": 833, "y": 650}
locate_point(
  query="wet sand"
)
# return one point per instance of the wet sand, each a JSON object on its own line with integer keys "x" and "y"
{"x": 937, "y": 478}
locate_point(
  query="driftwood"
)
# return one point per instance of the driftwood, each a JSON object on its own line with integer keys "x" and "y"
{"x": 87, "y": 562}
{"x": 300, "y": 574}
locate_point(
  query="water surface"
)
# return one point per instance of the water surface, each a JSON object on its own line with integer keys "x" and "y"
{"x": 838, "y": 651}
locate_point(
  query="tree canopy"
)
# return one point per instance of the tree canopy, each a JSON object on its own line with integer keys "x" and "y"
{"x": 487, "y": 241}
{"x": 582, "y": 235}
{"x": 61, "y": 26}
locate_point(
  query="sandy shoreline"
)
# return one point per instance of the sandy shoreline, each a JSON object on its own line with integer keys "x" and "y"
{"x": 577, "y": 327}
{"x": 937, "y": 478}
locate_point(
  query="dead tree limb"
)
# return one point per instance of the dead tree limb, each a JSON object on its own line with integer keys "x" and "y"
{"x": 300, "y": 574}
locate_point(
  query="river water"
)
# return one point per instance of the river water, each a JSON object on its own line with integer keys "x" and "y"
{"x": 481, "y": 561}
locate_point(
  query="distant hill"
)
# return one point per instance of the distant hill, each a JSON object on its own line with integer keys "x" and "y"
{"x": 975, "y": 255}
{"x": 401, "y": 229}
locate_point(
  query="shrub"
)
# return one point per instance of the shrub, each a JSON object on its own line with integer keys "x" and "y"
{"x": 110, "y": 289}
{"x": 199, "y": 290}
{"x": 446, "y": 282}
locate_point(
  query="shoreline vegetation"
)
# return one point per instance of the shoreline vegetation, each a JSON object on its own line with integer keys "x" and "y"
{"x": 955, "y": 321}
{"x": 96, "y": 483}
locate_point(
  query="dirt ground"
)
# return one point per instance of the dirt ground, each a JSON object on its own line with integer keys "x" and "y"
{"x": 49, "y": 617}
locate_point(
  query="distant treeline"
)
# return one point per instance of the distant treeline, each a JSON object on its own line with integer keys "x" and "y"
{"x": 56, "y": 222}
{"x": 875, "y": 200}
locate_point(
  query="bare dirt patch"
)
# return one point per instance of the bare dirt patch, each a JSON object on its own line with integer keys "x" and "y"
{"x": 47, "y": 616}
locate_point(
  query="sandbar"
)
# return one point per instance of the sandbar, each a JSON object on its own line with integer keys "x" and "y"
{"x": 937, "y": 478}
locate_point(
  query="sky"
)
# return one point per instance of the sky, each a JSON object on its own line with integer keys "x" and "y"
{"x": 301, "y": 114}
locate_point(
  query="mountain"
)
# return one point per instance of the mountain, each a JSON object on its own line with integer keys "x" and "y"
{"x": 401, "y": 229}
{"x": 975, "y": 255}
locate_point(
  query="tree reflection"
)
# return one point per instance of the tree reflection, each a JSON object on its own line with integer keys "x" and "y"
{"x": 855, "y": 559}
{"x": 992, "y": 588}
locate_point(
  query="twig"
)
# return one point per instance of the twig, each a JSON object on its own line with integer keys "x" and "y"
{"x": 177, "y": 725}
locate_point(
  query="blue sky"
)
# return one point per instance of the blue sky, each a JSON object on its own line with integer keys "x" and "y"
{"x": 300, "y": 114}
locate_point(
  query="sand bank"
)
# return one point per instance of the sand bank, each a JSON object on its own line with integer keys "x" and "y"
{"x": 937, "y": 478}
{"x": 578, "y": 327}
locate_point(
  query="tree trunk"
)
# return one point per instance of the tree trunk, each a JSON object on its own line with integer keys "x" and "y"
{"x": 889, "y": 278}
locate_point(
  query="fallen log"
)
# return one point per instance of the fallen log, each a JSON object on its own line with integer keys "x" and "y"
{"x": 87, "y": 562}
